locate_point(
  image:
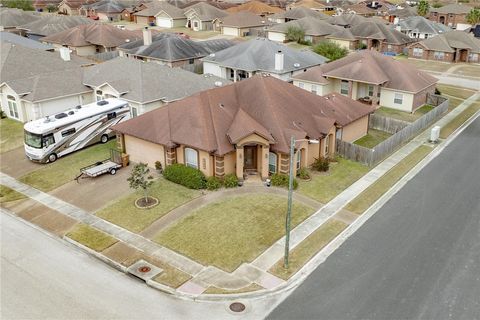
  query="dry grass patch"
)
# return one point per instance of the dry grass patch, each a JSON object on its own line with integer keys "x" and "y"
{"x": 172, "y": 277}
{"x": 250, "y": 288}
{"x": 459, "y": 120}
{"x": 7, "y": 194}
{"x": 365, "y": 199}
{"x": 11, "y": 134}
{"x": 308, "y": 248}
{"x": 233, "y": 230}
{"x": 91, "y": 237}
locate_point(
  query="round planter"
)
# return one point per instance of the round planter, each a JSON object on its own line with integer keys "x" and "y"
{"x": 141, "y": 204}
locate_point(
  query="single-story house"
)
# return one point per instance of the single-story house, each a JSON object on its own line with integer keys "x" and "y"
{"x": 86, "y": 40}
{"x": 172, "y": 50}
{"x": 45, "y": 5}
{"x": 11, "y": 18}
{"x": 420, "y": 28}
{"x": 145, "y": 85}
{"x": 107, "y": 10}
{"x": 241, "y": 24}
{"x": 296, "y": 14}
{"x": 346, "y": 20}
{"x": 453, "y": 46}
{"x": 200, "y": 16}
{"x": 52, "y": 24}
{"x": 256, "y": 7}
{"x": 371, "y": 77}
{"x": 162, "y": 14}
{"x": 243, "y": 128}
{"x": 370, "y": 8}
{"x": 72, "y": 7}
{"x": 453, "y": 15}
{"x": 396, "y": 15}
{"x": 262, "y": 56}
{"x": 316, "y": 5}
{"x": 345, "y": 39}
{"x": 315, "y": 29}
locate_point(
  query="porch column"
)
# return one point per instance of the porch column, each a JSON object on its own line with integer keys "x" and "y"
{"x": 234, "y": 75}
{"x": 121, "y": 142}
{"x": 239, "y": 163}
{"x": 264, "y": 154}
{"x": 284, "y": 163}
{"x": 171, "y": 156}
{"x": 250, "y": 74}
{"x": 219, "y": 166}
{"x": 457, "y": 55}
{"x": 350, "y": 88}
{"x": 375, "y": 95}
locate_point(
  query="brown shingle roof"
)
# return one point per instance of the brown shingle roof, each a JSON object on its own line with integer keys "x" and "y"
{"x": 256, "y": 7}
{"x": 372, "y": 67}
{"x": 243, "y": 19}
{"x": 213, "y": 120}
{"x": 453, "y": 8}
{"x": 452, "y": 40}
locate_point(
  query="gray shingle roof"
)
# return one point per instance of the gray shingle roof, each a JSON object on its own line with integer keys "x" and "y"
{"x": 157, "y": 7}
{"x": 452, "y": 40}
{"x": 259, "y": 55}
{"x": 346, "y": 20}
{"x": 206, "y": 12}
{"x": 145, "y": 82}
{"x": 421, "y": 25}
{"x": 380, "y": 31}
{"x": 311, "y": 26}
{"x": 11, "y": 18}
{"x": 23, "y": 41}
{"x": 51, "y": 24}
{"x": 453, "y": 8}
{"x": 299, "y": 13}
{"x": 244, "y": 19}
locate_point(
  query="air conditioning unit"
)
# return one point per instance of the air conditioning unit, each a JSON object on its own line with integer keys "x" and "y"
{"x": 435, "y": 134}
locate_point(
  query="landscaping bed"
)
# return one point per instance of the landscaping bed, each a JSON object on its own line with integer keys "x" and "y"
{"x": 124, "y": 213}
{"x": 11, "y": 134}
{"x": 373, "y": 138}
{"x": 233, "y": 230}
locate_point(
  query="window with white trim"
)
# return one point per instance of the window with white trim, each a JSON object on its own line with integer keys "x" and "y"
{"x": 314, "y": 88}
{"x": 370, "y": 90}
{"x": 191, "y": 158}
{"x": 12, "y": 107}
{"x": 473, "y": 57}
{"x": 439, "y": 55}
{"x": 327, "y": 144}
{"x": 344, "y": 87}
{"x": 99, "y": 95}
{"x": 134, "y": 112}
{"x": 299, "y": 159}
{"x": 398, "y": 99}
{"x": 301, "y": 85}
{"x": 417, "y": 52}
{"x": 272, "y": 162}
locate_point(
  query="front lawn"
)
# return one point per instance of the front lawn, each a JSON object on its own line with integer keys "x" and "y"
{"x": 453, "y": 91}
{"x": 11, "y": 134}
{"x": 402, "y": 115}
{"x": 91, "y": 237}
{"x": 125, "y": 214}
{"x": 373, "y": 138}
{"x": 7, "y": 194}
{"x": 325, "y": 187}
{"x": 233, "y": 230}
{"x": 459, "y": 120}
{"x": 53, "y": 175}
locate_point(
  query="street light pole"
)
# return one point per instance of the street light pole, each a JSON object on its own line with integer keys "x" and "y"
{"x": 289, "y": 207}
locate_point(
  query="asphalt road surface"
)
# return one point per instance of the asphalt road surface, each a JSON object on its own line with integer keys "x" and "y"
{"x": 418, "y": 257}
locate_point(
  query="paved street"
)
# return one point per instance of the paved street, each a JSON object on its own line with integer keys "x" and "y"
{"x": 418, "y": 257}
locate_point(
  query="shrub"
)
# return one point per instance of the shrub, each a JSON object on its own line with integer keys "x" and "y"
{"x": 213, "y": 183}
{"x": 281, "y": 180}
{"x": 296, "y": 34}
{"x": 437, "y": 91}
{"x": 305, "y": 42}
{"x": 362, "y": 46}
{"x": 158, "y": 166}
{"x": 321, "y": 164}
{"x": 186, "y": 176}
{"x": 330, "y": 50}
{"x": 303, "y": 173}
{"x": 230, "y": 181}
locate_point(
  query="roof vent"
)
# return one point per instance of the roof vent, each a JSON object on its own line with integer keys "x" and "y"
{"x": 218, "y": 83}
{"x": 78, "y": 107}
{"x": 102, "y": 103}
{"x": 71, "y": 112}
{"x": 221, "y": 105}
{"x": 47, "y": 120}
{"x": 61, "y": 115}
{"x": 296, "y": 64}
{"x": 212, "y": 55}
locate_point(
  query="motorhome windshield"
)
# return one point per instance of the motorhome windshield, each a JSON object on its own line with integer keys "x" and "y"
{"x": 33, "y": 140}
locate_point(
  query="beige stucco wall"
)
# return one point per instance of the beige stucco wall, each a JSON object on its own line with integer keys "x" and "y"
{"x": 276, "y": 36}
{"x": 313, "y": 152}
{"x": 355, "y": 130}
{"x": 387, "y": 96}
{"x": 144, "y": 151}
{"x": 85, "y": 50}
{"x": 322, "y": 89}
{"x": 253, "y": 138}
{"x": 342, "y": 43}
{"x": 205, "y": 163}
{"x": 229, "y": 162}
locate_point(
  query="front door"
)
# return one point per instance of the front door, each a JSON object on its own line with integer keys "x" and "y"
{"x": 250, "y": 158}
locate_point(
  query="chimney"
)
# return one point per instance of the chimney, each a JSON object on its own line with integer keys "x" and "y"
{"x": 65, "y": 53}
{"x": 279, "y": 61}
{"x": 147, "y": 36}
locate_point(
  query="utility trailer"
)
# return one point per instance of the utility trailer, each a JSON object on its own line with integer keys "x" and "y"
{"x": 96, "y": 169}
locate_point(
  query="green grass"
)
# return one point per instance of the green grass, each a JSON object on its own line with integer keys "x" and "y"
{"x": 7, "y": 194}
{"x": 91, "y": 237}
{"x": 11, "y": 134}
{"x": 124, "y": 213}
{"x": 65, "y": 169}
{"x": 171, "y": 277}
{"x": 340, "y": 176}
{"x": 453, "y": 91}
{"x": 298, "y": 46}
{"x": 233, "y": 230}
{"x": 365, "y": 199}
{"x": 459, "y": 120}
{"x": 373, "y": 138}
{"x": 308, "y": 248}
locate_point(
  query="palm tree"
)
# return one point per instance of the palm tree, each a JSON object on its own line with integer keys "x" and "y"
{"x": 473, "y": 17}
{"x": 423, "y": 7}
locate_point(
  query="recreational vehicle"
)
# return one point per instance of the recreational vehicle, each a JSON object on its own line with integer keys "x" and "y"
{"x": 54, "y": 136}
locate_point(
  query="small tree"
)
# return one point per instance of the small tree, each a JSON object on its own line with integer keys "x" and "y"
{"x": 473, "y": 17}
{"x": 295, "y": 34}
{"x": 140, "y": 179}
{"x": 51, "y": 8}
{"x": 423, "y": 7}
{"x": 19, "y": 4}
{"x": 330, "y": 50}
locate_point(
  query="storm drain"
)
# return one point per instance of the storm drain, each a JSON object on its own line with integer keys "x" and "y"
{"x": 237, "y": 307}
{"x": 144, "y": 270}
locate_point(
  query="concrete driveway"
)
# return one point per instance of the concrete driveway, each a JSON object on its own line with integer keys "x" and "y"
{"x": 15, "y": 163}
{"x": 92, "y": 194}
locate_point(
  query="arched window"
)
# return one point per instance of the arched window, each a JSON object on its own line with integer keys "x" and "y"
{"x": 299, "y": 159}
{"x": 272, "y": 162}
{"x": 191, "y": 158}
{"x": 12, "y": 107}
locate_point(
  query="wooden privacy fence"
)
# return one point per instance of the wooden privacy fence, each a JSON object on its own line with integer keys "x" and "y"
{"x": 371, "y": 157}
{"x": 386, "y": 124}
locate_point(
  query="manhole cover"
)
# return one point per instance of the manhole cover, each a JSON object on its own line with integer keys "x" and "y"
{"x": 144, "y": 269}
{"x": 237, "y": 307}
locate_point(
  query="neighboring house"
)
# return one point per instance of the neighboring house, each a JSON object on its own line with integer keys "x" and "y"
{"x": 72, "y": 7}
{"x": 315, "y": 5}
{"x": 86, "y": 40}
{"x": 345, "y": 39}
{"x": 453, "y": 46}
{"x": 420, "y": 28}
{"x": 396, "y": 15}
{"x": 200, "y": 16}
{"x": 52, "y": 24}
{"x": 256, "y": 7}
{"x": 260, "y": 55}
{"x": 378, "y": 37}
{"x": 162, "y": 14}
{"x": 172, "y": 50}
{"x": 346, "y": 20}
{"x": 22, "y": 41}
{"x": 242, "y": 24}
{"x": 45, "y": 5}
{"x": 11, "y": 18}
{"x": 452, "y": 15}
{"x": 371, "y": 76}
{"x": 36, "y": 83}
{"x": 243, "y": 129}
{"x": 107, "y": 10}
{"x": 146, "y": 86}
{"x": 296, "y": 14}
{"x": 315, "y": 29}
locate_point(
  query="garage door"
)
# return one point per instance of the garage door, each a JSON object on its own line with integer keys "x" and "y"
{"x": 230, "y": 31}
{"x": 164, "y": 22}
{"x": 144, "y": 151}
{"x": 142, "y": 20}
{"x": 276, "y": 36}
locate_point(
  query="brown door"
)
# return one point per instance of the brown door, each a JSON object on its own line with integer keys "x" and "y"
{"x": 250, "y": 157}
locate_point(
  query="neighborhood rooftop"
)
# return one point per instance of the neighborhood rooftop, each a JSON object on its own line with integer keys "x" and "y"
{"x": 53, "y": 24}
{"x": 450, "y": 41}
{"x": 311, "y": 26}
{"x": 23, "y": 41}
